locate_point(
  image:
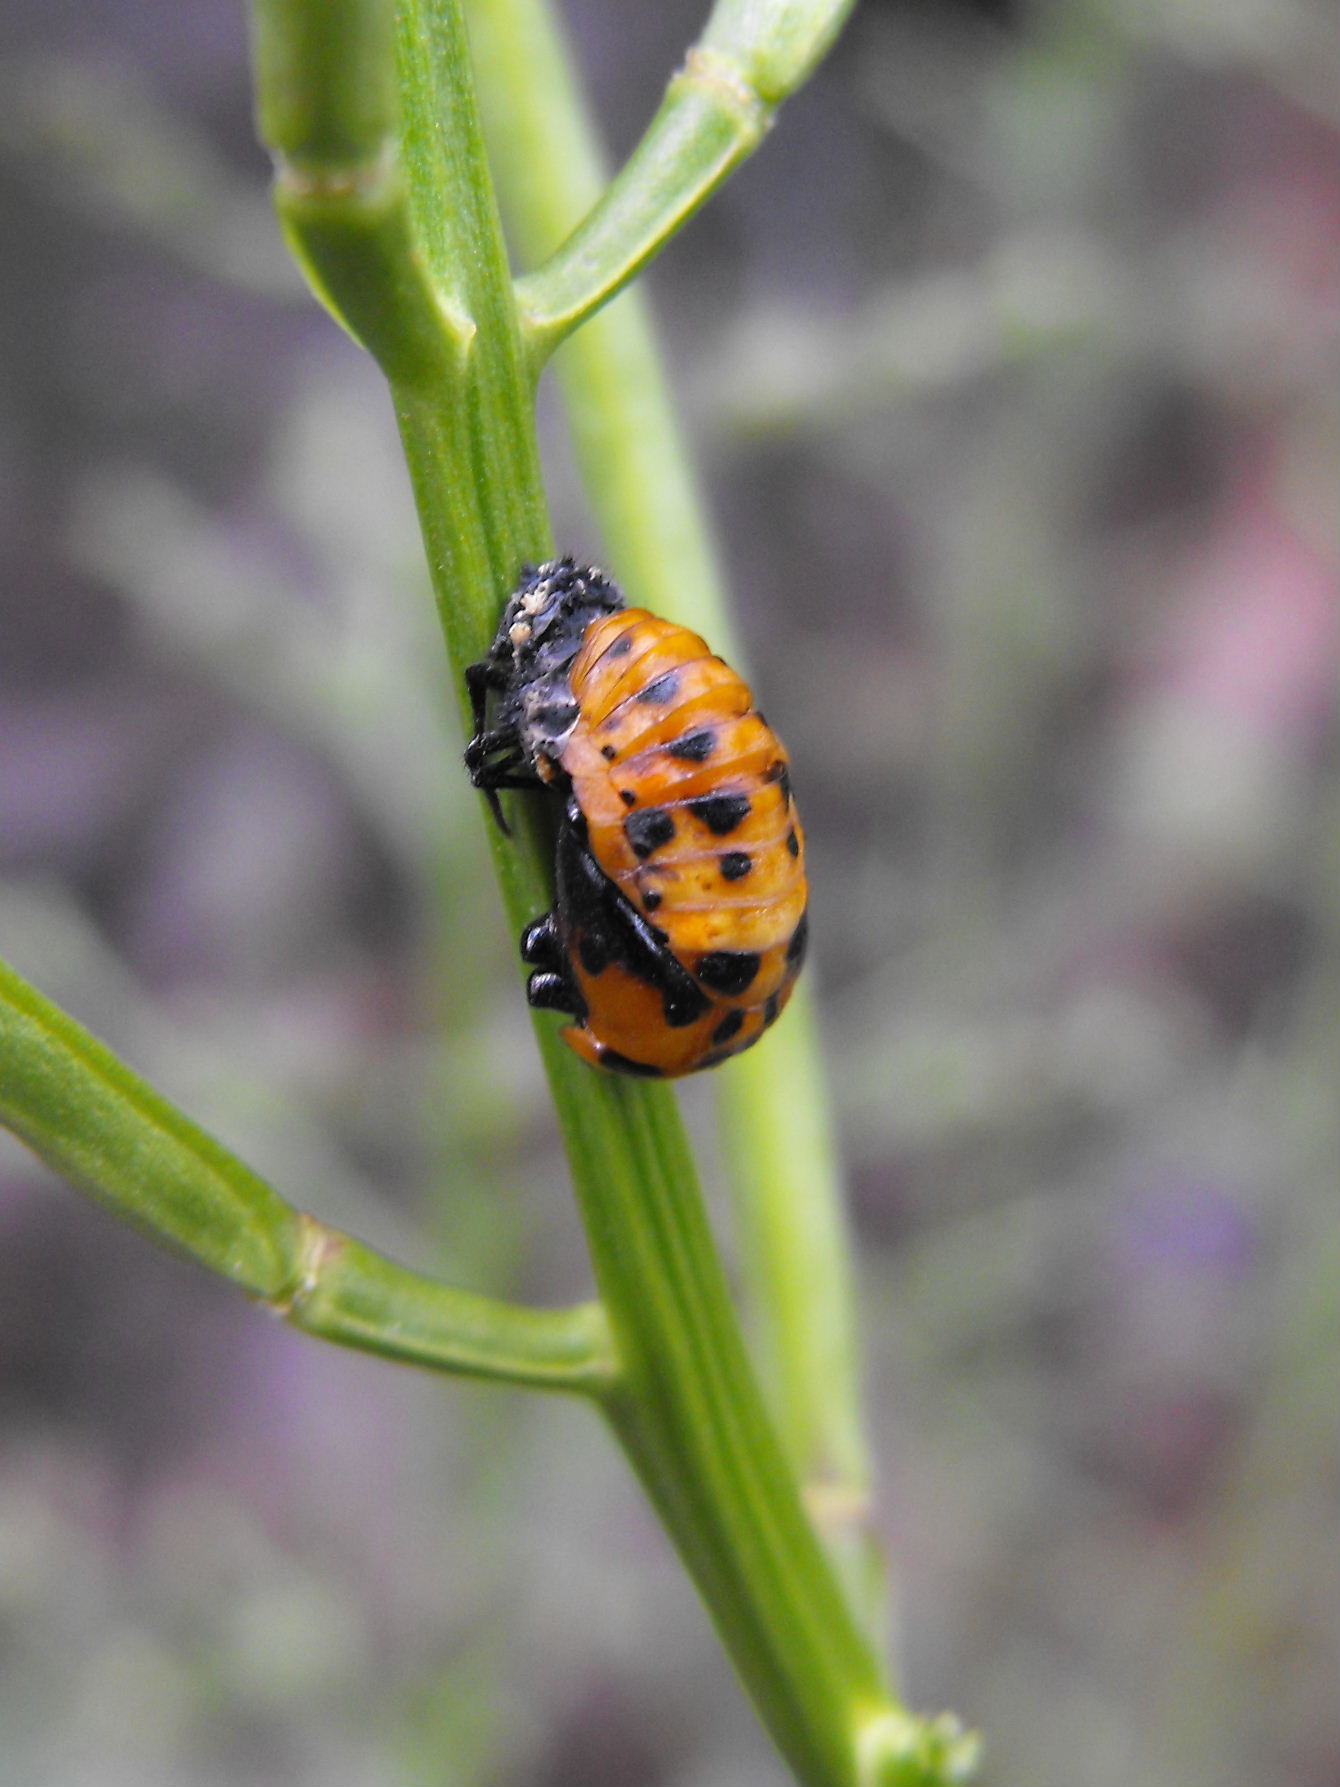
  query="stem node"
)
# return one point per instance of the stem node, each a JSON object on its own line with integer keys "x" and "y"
{"x": 708, "y": 71}
{"x": 315, "y": 1246}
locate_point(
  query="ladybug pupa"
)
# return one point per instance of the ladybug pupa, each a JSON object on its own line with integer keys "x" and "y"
{"x": 679, "y": 920}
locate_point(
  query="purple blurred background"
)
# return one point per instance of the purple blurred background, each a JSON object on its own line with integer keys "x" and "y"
{"x": 1009, "y": 366}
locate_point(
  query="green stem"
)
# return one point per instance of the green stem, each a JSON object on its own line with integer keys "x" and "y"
{"x": 688, "y": 1410}
{"x": 348, "y": 1293}
{"x": 708, "y": 123}
{"x": 717, "y": 110}
{"x": 690, "y": 1417}
{"x": 88, "y": 1116}
{"x": 327, "y": 103}
{"x": 784, "y": 1165}
{"x": 797, "y": 1261}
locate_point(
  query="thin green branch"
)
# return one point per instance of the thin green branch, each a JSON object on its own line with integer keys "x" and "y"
{"x": 717, "y": 110}
{"x": 92, "y": 1119}
{"x": 709, "y": 121}
{"x": 348, "y": 1293}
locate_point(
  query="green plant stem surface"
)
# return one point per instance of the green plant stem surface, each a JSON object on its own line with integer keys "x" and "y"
{"x": 88, "y": 1116}
{"x": 717, "y": 109}
{"x": 688, "y": 1411}
{"x": 550, "y": 172}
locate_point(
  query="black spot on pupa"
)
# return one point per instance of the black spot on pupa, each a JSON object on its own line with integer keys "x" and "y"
{"x": 618, "y": 1063}
{"x": 660, "y": 690}
{"x": 728, "y": 971}
{"x": 593, "y": 951}
{"x": 683, "y": 1004}
{"x": 721, "y": 813}
{"x": 772, "y": 1006}
{"x": 730, "y": 1026}
{"x": 730, "y": 1049}
{"x": 735, "y": 865}
{"x": 648, "y": 830}
{"x": 651, "y": 899}
{"x": 694, "y": 747}
{"x": 793, "y": 842}
{"x": 795, "y": 949}
{"x": 629, "y": 799}
{"x": 620, "y": 647}
{"x": 608, "y": 752}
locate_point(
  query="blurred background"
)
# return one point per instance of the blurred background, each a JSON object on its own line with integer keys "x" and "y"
{"x": 1008, "y": 366}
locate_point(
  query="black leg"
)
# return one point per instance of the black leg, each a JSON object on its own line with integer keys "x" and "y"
{"x": 554, "y": 992}
{"x": 541, "y": 945}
